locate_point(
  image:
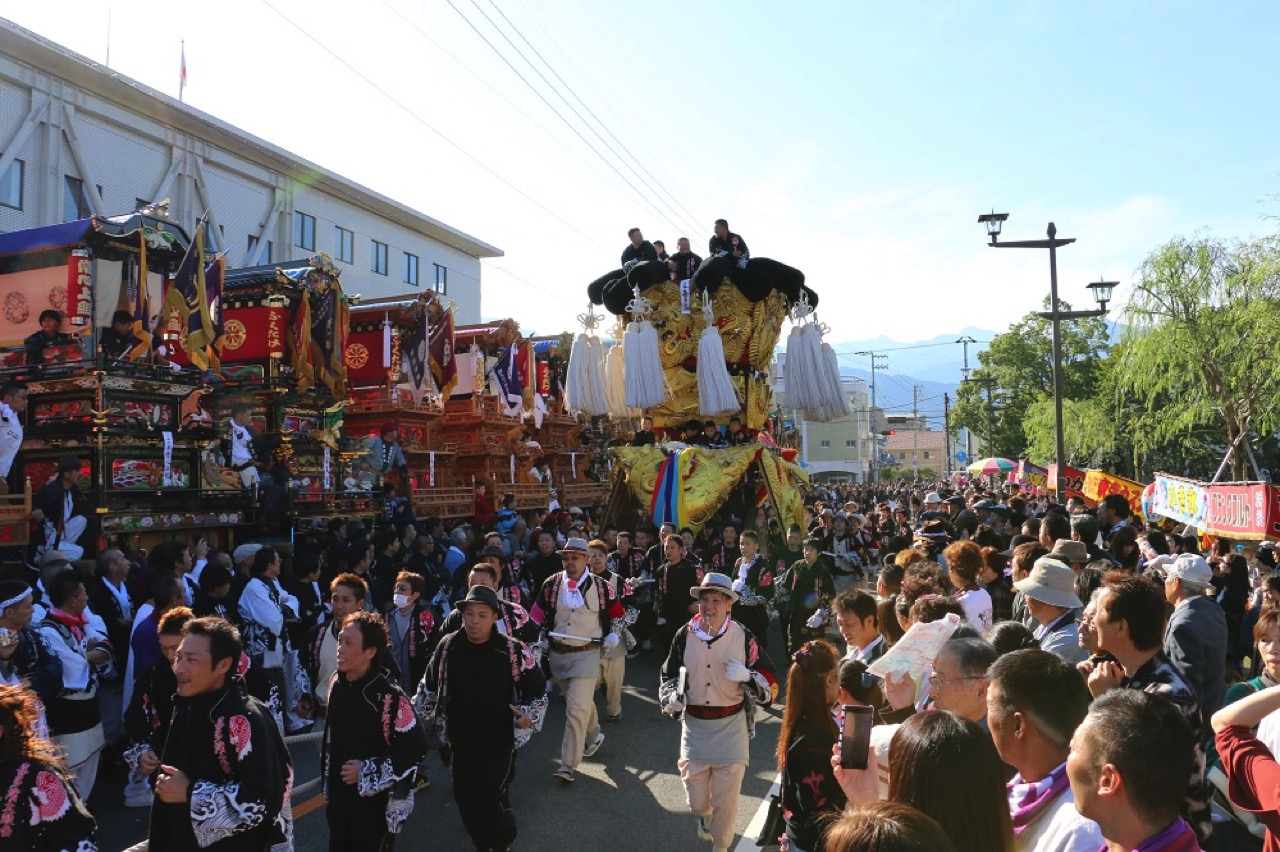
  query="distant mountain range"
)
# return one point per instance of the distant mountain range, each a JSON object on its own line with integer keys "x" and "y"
{"x": 934, "y": 364}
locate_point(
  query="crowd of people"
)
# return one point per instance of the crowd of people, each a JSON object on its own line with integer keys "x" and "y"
{"x": 1104, "y": 680}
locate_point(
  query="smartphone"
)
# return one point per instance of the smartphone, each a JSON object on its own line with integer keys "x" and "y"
{"x": 855, "y": 735}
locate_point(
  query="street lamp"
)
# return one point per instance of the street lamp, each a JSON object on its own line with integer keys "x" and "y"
{"x": 1101, "y": 293}
{"x": 994, "y": 222}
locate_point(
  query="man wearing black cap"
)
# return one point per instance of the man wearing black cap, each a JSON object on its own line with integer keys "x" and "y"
{"x": 466, "y": 698}
{"x": 383, "y": 455}
{"x": 55, "y": 505}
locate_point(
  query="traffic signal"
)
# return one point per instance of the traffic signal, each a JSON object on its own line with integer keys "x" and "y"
{"x": 889, "y": 432}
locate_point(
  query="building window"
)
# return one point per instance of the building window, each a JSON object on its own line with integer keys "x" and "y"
{"x": 11, "y": 185}
{"x": 253, "y": 244}
{"x": 928, "y": 455}
{"x": 442, "y": 279}
{"x": 75, "y": 201}
{"x": 902, "y": 456}
{"x": 304, "y": 231}
{"x": 379, "y": 258}
{"x": 824, "y": 443}
{"x": 344, "y": 244}
{"x": 411, "y": 269}
{"x": 849, "y": 443}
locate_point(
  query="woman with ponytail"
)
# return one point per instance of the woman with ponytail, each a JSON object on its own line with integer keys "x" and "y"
{"x": 810, "y": 793}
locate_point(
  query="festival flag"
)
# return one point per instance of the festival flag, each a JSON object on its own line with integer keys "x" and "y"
{"x": 328, "y": 338}
{"x": 510, "y": 382}
{"x": 213, "y": 277}
{"x": 300, "y": 344}
{"x": 444, "y": 364}
{"x": 135, "y": 272}
{"x": 527, "y": 367}
{"x": 188, "y": 299}
{"x": 415, "y": 358}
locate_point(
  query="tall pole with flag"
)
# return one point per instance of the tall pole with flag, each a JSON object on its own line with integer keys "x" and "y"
{"x": 182, "y": 72}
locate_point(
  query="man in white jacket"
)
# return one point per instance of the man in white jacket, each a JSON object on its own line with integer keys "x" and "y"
{"x": 1035, "y": 701}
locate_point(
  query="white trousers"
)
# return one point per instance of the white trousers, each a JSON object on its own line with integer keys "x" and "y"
{"x": 66, "y": 544}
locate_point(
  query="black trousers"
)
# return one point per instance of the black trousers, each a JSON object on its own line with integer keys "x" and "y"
{"x": 481, "y": 781}
{"x": 795, "y": 632}
{"x": 358, "y": 824}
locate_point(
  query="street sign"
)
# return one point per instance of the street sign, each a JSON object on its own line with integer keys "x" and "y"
{"x": 962, "y": 457}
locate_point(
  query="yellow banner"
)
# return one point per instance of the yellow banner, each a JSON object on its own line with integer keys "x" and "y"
{"x": 1098, "y": 484}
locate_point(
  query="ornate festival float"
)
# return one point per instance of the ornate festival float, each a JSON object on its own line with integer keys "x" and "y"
{"x": 471, "y": 404}
{"x": 694, "y": 351}
{"x": 108, "y": 396}
{"x": 281, "y": 331}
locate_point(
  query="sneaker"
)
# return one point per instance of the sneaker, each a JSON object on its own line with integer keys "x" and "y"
{"x": 142, "y": 800}
{"x": 613, "y": 720}
{"x": 423, "y": 781}
{"x": 592, "y": 747}
{"x": 704, "y": 828}
{"x": 631, "y": 655}
{"x": 564, "y": 773}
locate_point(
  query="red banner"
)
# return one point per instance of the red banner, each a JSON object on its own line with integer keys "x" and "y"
{"x": 252, "y": 334}
{"x": 79, "y": 289}
{"x": 1074, "y": 483}
{"x": 1248, "y": 511}
{"x": 364, "y": 356}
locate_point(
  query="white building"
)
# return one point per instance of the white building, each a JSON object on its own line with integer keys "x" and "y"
{"x": 76, "y": 138}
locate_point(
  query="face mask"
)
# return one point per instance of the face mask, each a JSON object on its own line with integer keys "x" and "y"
{"x": 400, "y": 600}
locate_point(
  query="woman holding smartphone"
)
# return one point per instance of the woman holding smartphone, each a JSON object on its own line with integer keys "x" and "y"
{"x": 810, "y": 792}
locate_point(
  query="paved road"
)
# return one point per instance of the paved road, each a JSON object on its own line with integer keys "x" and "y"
{"x": 628, "y": 796}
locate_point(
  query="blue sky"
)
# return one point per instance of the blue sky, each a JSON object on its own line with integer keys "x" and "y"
{"x": 857, "y": 141}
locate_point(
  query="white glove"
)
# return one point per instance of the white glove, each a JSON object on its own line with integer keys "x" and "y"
{"x": 742, "y": 262}
{"x": 662, "y": 622}
{"x": 815, "y": 620}
{"x": 736, "y": 671}
{"x": 674, "y": 707}
{"x": 176, "y": 367}
{"x": 611, "y": 641}
{"x": 739, "y": 586}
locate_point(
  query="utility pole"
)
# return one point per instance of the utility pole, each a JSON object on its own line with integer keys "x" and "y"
{"x": 915, "y": 429}
{"x": 871, "y": 415}
{"x": 989, "y": 384}
{"x": 946, "y": 426}
{"x": 964, "y": 372}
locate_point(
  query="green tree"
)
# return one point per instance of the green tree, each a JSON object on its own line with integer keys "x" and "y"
{"x": 1019, "y": 364}
{"x": 1200, "y": 345}
{"x": 1089, "y": 434}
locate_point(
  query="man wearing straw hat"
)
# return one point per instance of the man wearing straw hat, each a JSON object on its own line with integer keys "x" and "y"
{"x": 714, "y": 677}
{"x": 580, "y": 616}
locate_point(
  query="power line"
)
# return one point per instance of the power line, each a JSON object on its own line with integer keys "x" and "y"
{"x": 546, "y": 290}
{"x": 508, "y": 101}
{"x": 380, "y": 90}
{"x": 548, "y": 103}
{"x": 900, "y": 348}
{"x": 591, "y": 112}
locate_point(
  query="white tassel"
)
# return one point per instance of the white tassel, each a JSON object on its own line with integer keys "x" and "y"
{"x": 797, "y": 397}
{"x": 595, "y": 397}
{"x": 645, "y": 381}
{"x": 615, "y": 381}
{"x": 840, "y": 400}
{"x": 573, "y": 379}
{"x": 715, "y": 387}
{"x": 584, "y": 385}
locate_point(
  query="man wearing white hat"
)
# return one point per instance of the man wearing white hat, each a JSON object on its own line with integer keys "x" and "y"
{"x": 580, "y": 615}
{"x": 714, "y": 677}
{"x": 1050, "y": 593}
{"x": 1195, "y": 639}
